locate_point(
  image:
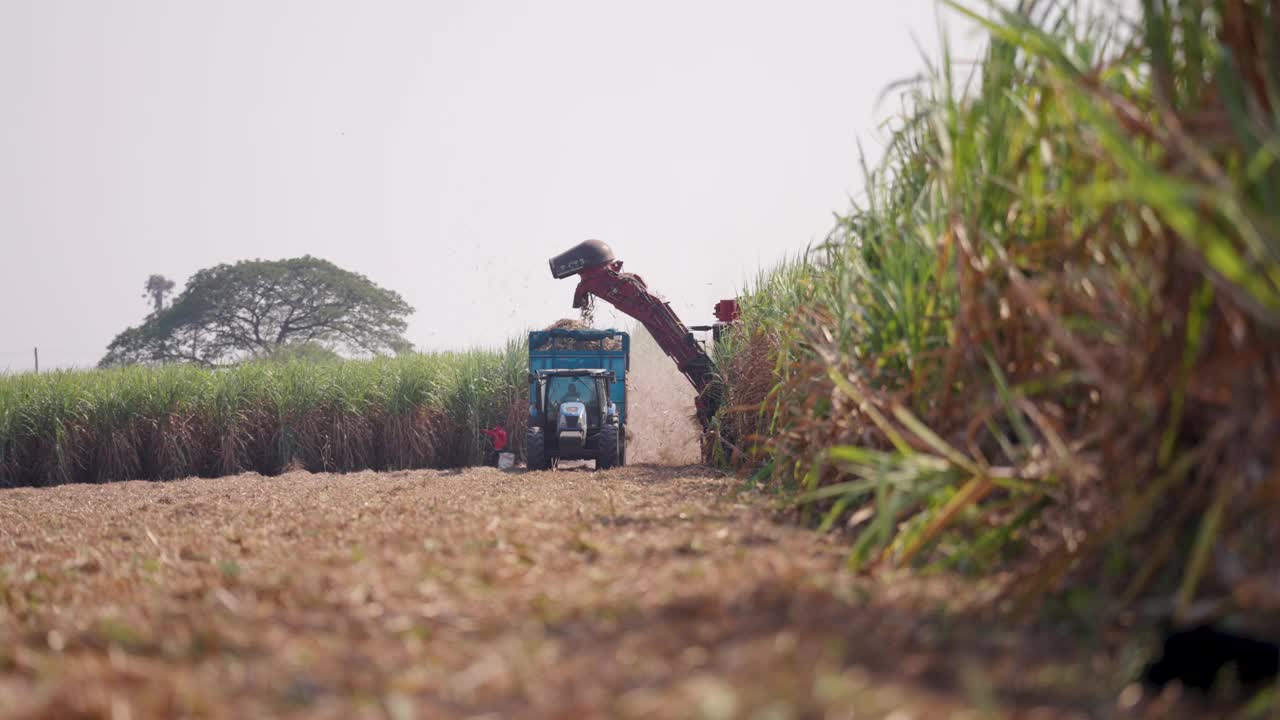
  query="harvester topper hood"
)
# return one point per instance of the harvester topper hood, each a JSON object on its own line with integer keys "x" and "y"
{"x": 587, "y": 254}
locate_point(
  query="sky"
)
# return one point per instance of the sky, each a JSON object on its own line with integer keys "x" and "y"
{"x": 445, "y": 150}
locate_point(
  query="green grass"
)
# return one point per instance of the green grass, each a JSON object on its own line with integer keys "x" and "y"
{"x": 1054, "y": 317}
{"x": 177, "y": 421}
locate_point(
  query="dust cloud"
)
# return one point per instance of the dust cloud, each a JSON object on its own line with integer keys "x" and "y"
{"x": 661, "y": 426}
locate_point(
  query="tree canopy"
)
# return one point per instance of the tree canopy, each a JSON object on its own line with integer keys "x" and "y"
{"x": 255, "y": 308}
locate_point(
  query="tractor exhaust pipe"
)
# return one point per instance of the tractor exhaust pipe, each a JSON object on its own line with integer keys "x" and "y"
{"x": 583, "y": 256}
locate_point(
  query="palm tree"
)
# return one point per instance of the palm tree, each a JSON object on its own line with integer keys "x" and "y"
{"x": 157, "y": 288}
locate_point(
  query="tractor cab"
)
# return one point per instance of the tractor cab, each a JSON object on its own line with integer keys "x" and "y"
{"x": 572, "y": 418}
{"x": 582, "y": 393}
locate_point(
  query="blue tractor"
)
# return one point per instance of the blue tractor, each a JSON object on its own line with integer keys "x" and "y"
{"x": 577, "y": 397}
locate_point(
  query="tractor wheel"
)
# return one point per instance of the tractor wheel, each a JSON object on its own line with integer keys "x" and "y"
{"x": 536, "y": 451}
{"x": 622, "y": 447}
{"x": 607, "y": 454}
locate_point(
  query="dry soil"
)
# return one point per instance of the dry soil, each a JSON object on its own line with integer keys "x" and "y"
{"x": 639, "y": 592}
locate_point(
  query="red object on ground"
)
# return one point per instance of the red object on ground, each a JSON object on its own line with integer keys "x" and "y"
{"x": 498, "y": 436}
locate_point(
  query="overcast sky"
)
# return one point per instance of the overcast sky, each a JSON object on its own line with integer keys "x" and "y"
{"x": 444, "y": 149}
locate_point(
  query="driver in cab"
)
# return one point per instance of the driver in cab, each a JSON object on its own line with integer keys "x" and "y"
{"x": 571, "y": 395}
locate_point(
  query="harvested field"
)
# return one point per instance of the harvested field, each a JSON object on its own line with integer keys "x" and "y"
{"x": 640, "y": 592}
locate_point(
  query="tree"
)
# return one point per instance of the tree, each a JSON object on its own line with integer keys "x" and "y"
{"x": 253, "y": 308}
{"x": 158, "y": 287}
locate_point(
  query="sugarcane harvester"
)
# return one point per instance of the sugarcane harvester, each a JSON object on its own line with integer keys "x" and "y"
{"x": 600, "y": 275}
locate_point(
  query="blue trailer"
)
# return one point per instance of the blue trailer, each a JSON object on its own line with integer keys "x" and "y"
{"x": 578, "y": 397}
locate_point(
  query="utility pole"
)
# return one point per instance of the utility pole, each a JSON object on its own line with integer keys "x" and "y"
{"x": 37, "y": 354}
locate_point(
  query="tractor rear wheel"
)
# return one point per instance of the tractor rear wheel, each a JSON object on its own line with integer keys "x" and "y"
{"x": 607, "y": 454}
{"x": 536, "y": 450}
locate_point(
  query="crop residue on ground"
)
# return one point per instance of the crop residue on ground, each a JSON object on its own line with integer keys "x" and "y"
{"x": 640, "y": 592}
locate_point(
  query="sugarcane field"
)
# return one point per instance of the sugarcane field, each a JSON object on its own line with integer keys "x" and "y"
{"x": 686, "y": 360}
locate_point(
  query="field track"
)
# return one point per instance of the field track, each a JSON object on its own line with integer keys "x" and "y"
{"x": 641, "y": 592}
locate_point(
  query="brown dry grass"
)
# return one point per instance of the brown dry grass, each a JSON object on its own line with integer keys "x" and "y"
{"x": 640, "y": 592}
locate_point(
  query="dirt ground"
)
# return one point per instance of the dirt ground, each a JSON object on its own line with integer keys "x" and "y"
{"x": 639, "y": 592}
